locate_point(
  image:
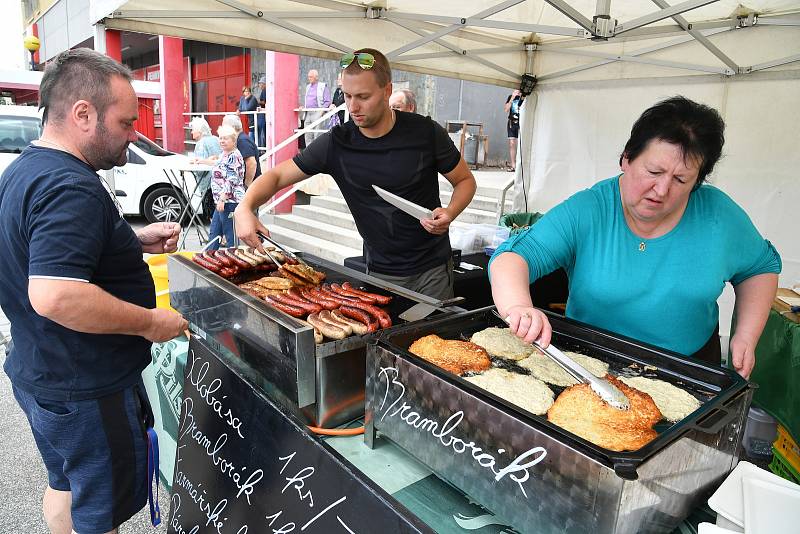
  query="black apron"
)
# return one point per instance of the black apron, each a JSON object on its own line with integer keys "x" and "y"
{"x": 711, "y": 352}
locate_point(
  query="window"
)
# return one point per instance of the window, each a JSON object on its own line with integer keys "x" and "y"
{"x": 17, "y": 132}
{"x": 149, "y": 147}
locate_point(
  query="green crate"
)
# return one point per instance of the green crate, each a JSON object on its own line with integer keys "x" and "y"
{"x": 781, "y": 467}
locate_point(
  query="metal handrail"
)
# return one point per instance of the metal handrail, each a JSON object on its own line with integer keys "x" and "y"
{"x": 501, "y": 206}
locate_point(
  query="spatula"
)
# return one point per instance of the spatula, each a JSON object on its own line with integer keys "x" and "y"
{"x": 420, "y": 310}
{"x": 605, "y": 389}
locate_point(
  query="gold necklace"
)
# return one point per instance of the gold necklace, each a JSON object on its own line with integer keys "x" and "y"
{"x": 56, "y": 145}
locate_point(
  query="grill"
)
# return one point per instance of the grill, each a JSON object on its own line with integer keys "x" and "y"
{"x": 534, "y": 475}
{"x": 323, "y": 384}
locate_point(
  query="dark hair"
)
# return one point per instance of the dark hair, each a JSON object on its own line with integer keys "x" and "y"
{"x": 696, "y": 128}
{"x": 381, "y": 68}
{"x": 79, "y": 74}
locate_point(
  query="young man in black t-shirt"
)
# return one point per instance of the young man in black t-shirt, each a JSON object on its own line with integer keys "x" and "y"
{"x": 513, "y": 103}
{"x": 400, "y": 152}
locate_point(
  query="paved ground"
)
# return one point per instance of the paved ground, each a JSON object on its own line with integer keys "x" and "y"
{"x": 22, "y": 475}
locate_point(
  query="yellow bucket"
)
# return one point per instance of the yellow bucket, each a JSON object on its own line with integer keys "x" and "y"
{"x": 158, "y": 270}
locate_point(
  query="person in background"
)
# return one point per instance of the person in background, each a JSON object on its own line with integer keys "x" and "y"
{"x": 401, "y": 152}
{"x": 248, "y": 102}
{"x": 80, "y": 298}
{"x": 261, "y": 118}
{"x": 317, "y": 95}
{"x": 513, "y": 103}
{"x": 649, "y": 251}
{"x": 247, "y": 148}
{"x": 336, "y": 101}
{"x": 227, "y": 187}
{"x": 206, "y": 151}
{"x": 403, "y": 100}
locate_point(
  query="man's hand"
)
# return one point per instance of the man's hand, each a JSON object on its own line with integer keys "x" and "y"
{"x": 247, "y": 224}
{"x": 440, "y": 222}
{"x": 159, "y": 237}
{"x": 164, "y": 325}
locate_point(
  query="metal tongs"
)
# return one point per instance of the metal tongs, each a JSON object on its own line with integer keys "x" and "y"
{"x": 605, "y": 389}
{"x": 269, "y": 240}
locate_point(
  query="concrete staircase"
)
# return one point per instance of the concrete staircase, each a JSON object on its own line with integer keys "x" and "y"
{"x": 326, "y": 229}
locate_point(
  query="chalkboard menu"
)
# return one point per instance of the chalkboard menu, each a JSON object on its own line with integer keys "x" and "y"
{"x": 243, "y": 466}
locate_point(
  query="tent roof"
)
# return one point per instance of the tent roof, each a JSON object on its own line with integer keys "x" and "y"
{"x": 493, "y": 42}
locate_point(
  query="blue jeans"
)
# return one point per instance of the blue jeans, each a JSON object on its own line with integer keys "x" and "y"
{"x": 222, "y": 224}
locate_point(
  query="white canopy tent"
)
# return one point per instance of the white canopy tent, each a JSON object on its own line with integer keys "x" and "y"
{"x": 599, "y": 64}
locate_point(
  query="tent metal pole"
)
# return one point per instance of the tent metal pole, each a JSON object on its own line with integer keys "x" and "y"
{"x": 572, "y": 14}
{"x": 683, "y": 23}
{"x": 457, "y": 51}
{"x": 640, "y": 52}
{"x": 474, "y": 22}
{"x": 495, "y": 50}
{"x": 774, "y": 63}
{"x": 778, "y": 21}
{"x": 661, "y": 15}
{"x": 633, "y": 59}
{"x": 450, "y": 29}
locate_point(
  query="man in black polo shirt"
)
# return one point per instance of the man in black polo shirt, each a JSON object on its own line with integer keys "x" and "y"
{"x": 400, "y": 152}
{"x": 80, "y": 298}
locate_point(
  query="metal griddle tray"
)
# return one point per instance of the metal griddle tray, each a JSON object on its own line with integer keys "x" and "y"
{"x": 714, "y": 387}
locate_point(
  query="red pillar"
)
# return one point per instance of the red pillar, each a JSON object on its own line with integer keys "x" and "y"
{"x": 114, "y": 44}
{"x": 170, "y": 51}
{"x": 282, "y": 98}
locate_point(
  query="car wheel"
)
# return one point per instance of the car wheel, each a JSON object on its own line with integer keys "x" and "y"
{"x": 162, "y": 205}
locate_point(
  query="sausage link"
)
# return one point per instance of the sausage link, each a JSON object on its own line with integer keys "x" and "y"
{"x": 294, "y": 311}
{"x": 351, "y": 294}
{"x": 216, "y": 263}
{"x": 383, "y": 317}
{"x": 361, "y": 316}
{"x": 317, "y": 298}
{"x": 222, "y": 258}
{"x": 228, "y": 272}
{"x": 358, "y": 327}
{"x": 326, "y": 315}
{"x": 383, "y": 300}
{"x": 295, "y": 293}
{"x": 303, "y": 304}
{"x": 329, "y": 295}
{"x": 326, "y": 290}
{"x": 250, "y": 256}
{"x": 235, "y": 259}
{"x": 200, "y": 260}
{"x": 242, "y": 256}
{"x": 327, "y": 329}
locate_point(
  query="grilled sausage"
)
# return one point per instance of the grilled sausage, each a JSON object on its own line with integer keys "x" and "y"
{"x": 250, "y": 256}
{"x": 326, "y": 290}
{"x": 295, "y": 293}
{"x": 317, "y": 298}
{"x": 383, "y": 317}
{"x": 294, "y": 311}
{"x": 242, "y": 256}
{"x": 357, "y": 326}
{"x": 361, "y": 316}
{"x": 303, "y": 304}
{"x": 235, "y": 259}
{"x": 216, "y": 263}
{"x": 326, "y": 315}
{"x": 202, "y": 262}
{"x": 352, "y": 295}
{"x": 327, "y": 329}
{"x": 383, "y": 300}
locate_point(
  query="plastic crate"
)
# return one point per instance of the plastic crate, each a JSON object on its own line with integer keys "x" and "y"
{"x": 788, "y": 448}
{"x": 781, "y": 467}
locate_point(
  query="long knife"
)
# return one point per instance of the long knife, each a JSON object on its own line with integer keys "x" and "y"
{"x": 415, "y": 210}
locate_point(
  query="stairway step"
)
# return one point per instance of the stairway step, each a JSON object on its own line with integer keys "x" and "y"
{"x": 479, "y": 202}
{"x": 322, "y": 248}
{"x": 473, "y": 216}
{"x": 318, "y": 213}
{"x": 316, "y": 228}
{"x": 331, "y": 203}
{"x": 485, "y": 189}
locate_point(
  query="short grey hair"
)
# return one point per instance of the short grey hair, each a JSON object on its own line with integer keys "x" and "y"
{"x": 199, "y": 124}
{"x": 233, "y": 121}
{"x": 411, "y": 99}
{"x": 79, "y": 74}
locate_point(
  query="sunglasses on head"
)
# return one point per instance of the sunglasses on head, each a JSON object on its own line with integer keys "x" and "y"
{"x": 365, "y": 60}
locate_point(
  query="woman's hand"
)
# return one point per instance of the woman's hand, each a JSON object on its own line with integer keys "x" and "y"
{"x": 528, "y": 323}
{"x": 743, "y": 355}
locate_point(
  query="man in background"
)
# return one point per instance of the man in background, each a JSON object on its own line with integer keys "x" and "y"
{"x": 80, "y": 298}
{"x": 513, "y": 103}
{"x": 317, "y": 95}
{"x": 403, "y": 100}
{"x": 400, "y": 152}
{"x": 248, "y": 149}
{"x": 261, "y": 118}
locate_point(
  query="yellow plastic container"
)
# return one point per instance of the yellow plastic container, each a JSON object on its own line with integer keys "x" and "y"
{"x": 788, "y": 448}
{"x": 158, "y": 270}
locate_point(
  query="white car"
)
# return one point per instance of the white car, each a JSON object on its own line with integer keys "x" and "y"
{"x": 142, "y": 186}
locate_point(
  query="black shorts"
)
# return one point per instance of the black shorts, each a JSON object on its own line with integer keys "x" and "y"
{"x": 513, "y": 130}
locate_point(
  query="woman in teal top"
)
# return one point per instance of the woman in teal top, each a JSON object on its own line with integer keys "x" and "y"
{"x": 648, "y": 252}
